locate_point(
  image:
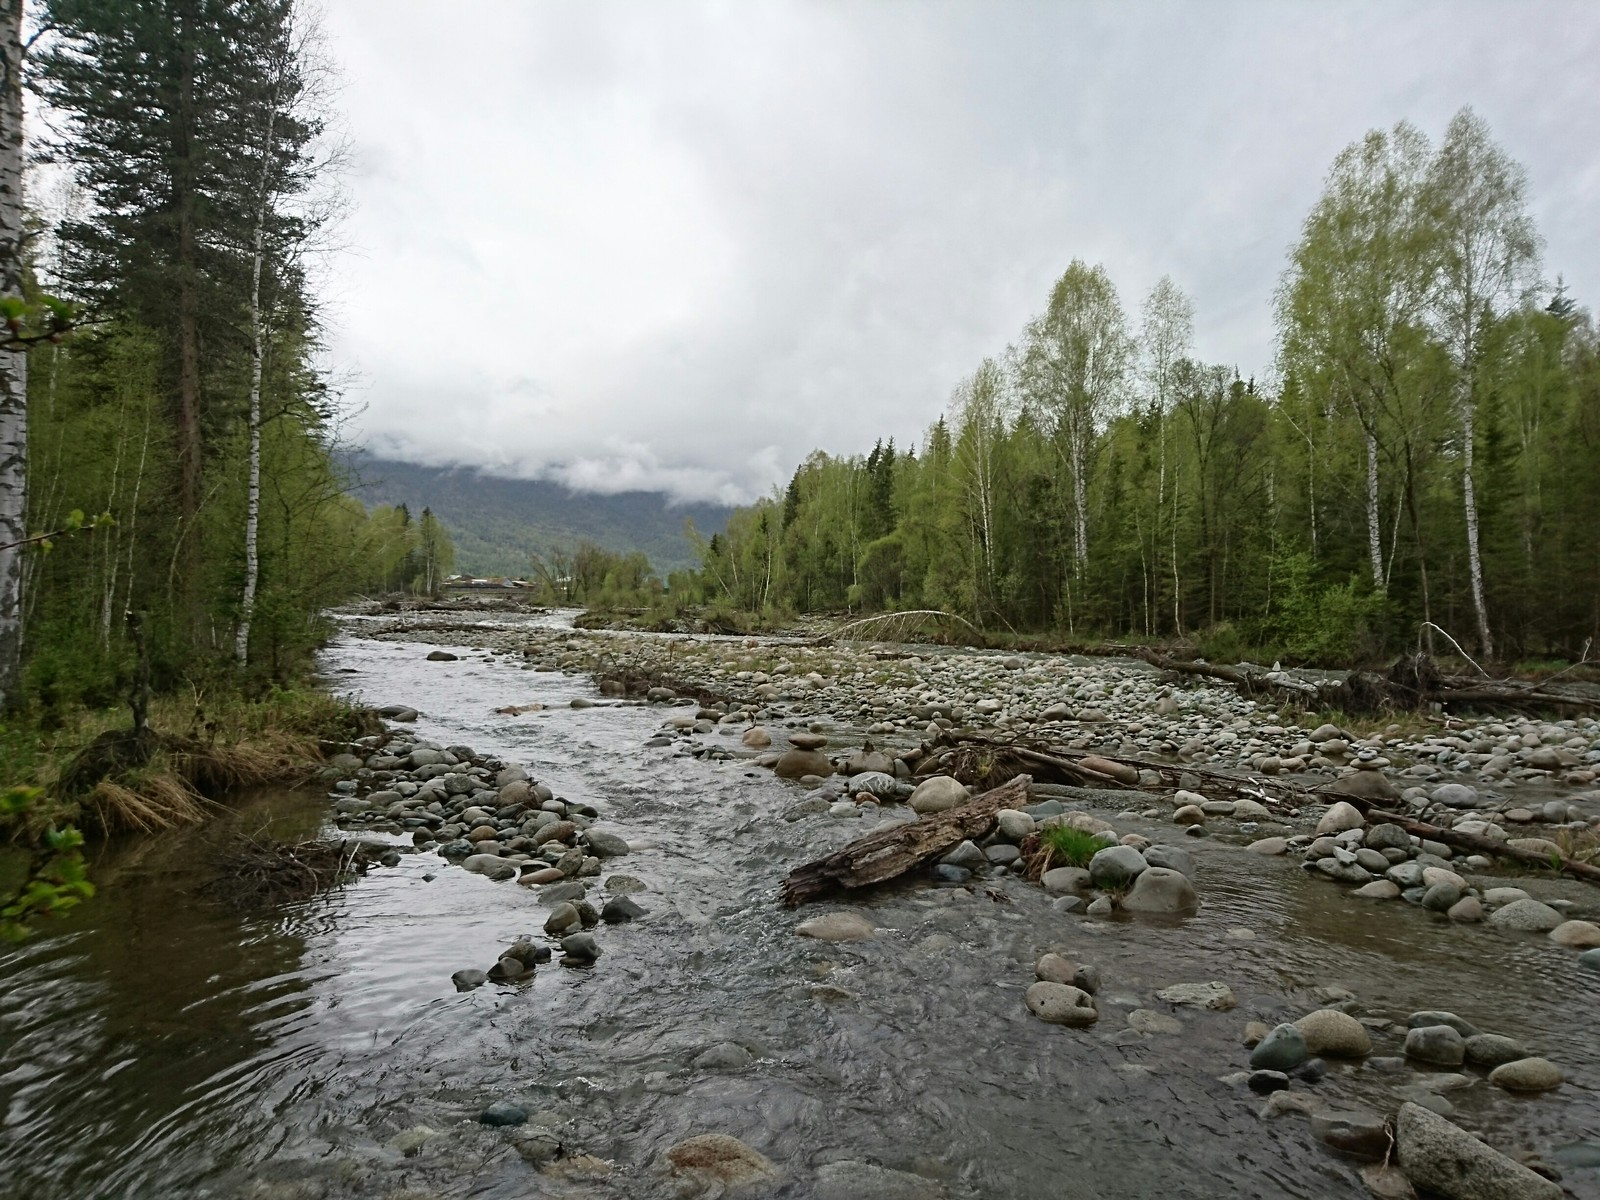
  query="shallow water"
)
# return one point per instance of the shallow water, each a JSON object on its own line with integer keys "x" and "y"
{"x": 154, "y": 1045}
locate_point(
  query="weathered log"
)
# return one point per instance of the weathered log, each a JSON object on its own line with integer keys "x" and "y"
{"x": 888, "y": 853}
{"x": 1476, "y": 843}
{"x": 1060, "y": 765}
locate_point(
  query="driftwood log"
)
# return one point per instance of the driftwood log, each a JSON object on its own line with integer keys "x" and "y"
{"x": 1476, "y": 843}
{"x": 888, "y": 853}
{"x": 982, "y": 761}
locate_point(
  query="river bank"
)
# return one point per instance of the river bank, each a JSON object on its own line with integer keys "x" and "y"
{"x": 905, "y": 1063}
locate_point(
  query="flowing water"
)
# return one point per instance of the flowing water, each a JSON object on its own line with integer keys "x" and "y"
{"x": 154, "y": 1045}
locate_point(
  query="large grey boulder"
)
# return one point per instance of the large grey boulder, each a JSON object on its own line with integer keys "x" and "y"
{"x": 1116, "y": 866}
{"x": 1527, "y": 916}
{"x": 797, "y": 764}
{"x": 1444, "y": 1158}
{"x": 938, "y": 794}
{"x": 1161, "y": 890}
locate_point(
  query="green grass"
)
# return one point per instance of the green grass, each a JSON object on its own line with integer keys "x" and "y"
{"x": 1070, "y": 847}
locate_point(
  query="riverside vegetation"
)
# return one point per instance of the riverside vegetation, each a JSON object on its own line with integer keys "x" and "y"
{"x": 186, "y": 405}
{"x": 1418, "y": 457}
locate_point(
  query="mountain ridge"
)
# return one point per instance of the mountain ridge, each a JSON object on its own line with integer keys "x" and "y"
{"x": 497, "y": 523}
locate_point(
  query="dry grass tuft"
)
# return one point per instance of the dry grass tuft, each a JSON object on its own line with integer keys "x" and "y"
{"x": 156, "y": 801}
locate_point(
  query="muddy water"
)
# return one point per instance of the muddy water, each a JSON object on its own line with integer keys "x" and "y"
{"x": 154, "y": 1046}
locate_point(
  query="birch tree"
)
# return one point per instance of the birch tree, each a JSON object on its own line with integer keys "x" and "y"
{"x": 1075, "y": 372}
{"x": 1488, "y": 264}
{"x": 1165, "y": 339}
{"x": 13, "y": 359}
{"x": 1358, "y": 280}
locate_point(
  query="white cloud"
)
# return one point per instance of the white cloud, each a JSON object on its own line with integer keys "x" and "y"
{"x": 679, "y": 246}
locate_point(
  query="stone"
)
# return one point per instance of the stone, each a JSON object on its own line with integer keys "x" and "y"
{"x": 563, "y": 918}
{"x": 509, "y": 970}
{"x": 938, "y": 794}
{"x": 1266, "y": 1081}
{"x": 1061, "y": 1004}
{"x": 1355, "y": 1132}
{"x": 717, "y": 1159}
{"x": 1339, "y": 817}
{"x": 1455, "y": 795}
{"x": 1061, "y": 881}
{"x": 1151, "y": 1023}
{"x": 1378, "y": 889}
{"x": 1437, "y": 1045}
{"x": 579, "y": 949}
{"x": 441, "y": 656}
{"x": 1334, "y": 1034}
{"x": 1492, "y": 1050}
{"x": 619, "y": 910}
{"x": 1053, "y": 968}
{"x": 1215, "y": 995}
{"x": 880, "y": 785}
{"x": 602, "y": 843}
{"x": 1434, "y": 1016}
{"x": 1161, "y": 890}
{"x": 724, "y": 1056}
{"x": 1527, "y": 1075}
{"x": 409, "y": 1141}
{"x": 468, "y": 979}
{"x": 1468, "y": 910}
{"x": 1012, "y": 825}
{"x": 1286, "y": 1103}
{"x": 1282, "y": 1049}
{"x": 1116, "y": 866}
{"x": 1444, "y": 1158}
{"x": 1387, "y": 836}
{"x": 1576, "y": 935}
{"x": 1528, "y": 916}
{"x": 848, "y": 1180}
{"x": 1364, "y": 785}
{"x": 1590, "y": 959}
{"x": 490, "y": 865}
{"x": 756, "y": 738}
{"x": 1387, "y": 1182}
{"x": 1251, "y": 810}
{"x": 1172, "y": 858}
{"x": 1271, "y": 845}
{"x": 503, "y": 1113}
{"x": 837, "y": 927}
{"x": 797, "y": 764}
{"x": 1189, "y": 814}
{"x": 808, "y": 741}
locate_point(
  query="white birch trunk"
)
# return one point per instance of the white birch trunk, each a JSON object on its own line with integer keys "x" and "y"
{"x": 1374, "y": 520}
{"x": 1474, "y": 559}
{"x": 252, "y": 516}
{"x": 13, "y": 362}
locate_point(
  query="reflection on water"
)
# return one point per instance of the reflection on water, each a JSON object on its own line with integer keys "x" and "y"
{"x": 154, "y": 1046}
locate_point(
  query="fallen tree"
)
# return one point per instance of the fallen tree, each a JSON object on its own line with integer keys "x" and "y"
{"x": 888, "y": 853}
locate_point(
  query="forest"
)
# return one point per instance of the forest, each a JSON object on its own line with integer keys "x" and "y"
{"x": 170, "y": 445}
{"x": 1416, "y": 471}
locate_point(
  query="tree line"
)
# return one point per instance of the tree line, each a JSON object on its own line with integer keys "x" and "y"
{"x": 1419, "y": 468}
{"x": 183, "y": 191}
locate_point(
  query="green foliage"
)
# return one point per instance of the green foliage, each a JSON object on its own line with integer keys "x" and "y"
{"x": 55, "y": 880}
{"x": 1316, "y": 622}
{"x": 1071, "y": 488}
{"x": 1070, "y": 847}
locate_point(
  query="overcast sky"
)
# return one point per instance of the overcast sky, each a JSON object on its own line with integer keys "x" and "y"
{"x": 678, "y": 246}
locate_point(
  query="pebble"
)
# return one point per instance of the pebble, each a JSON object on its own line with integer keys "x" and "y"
{"x": 1061, "y": 1004}
{"x": 1214, "y": 996}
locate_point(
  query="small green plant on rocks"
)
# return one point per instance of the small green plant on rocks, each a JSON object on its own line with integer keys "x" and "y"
{"x": 1065, "y": 846}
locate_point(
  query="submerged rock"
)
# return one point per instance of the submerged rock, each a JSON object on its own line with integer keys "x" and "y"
{"x": 1446, "y": 1159}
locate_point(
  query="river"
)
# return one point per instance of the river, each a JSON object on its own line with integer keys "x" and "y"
{"x": 156, "y": 1045}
